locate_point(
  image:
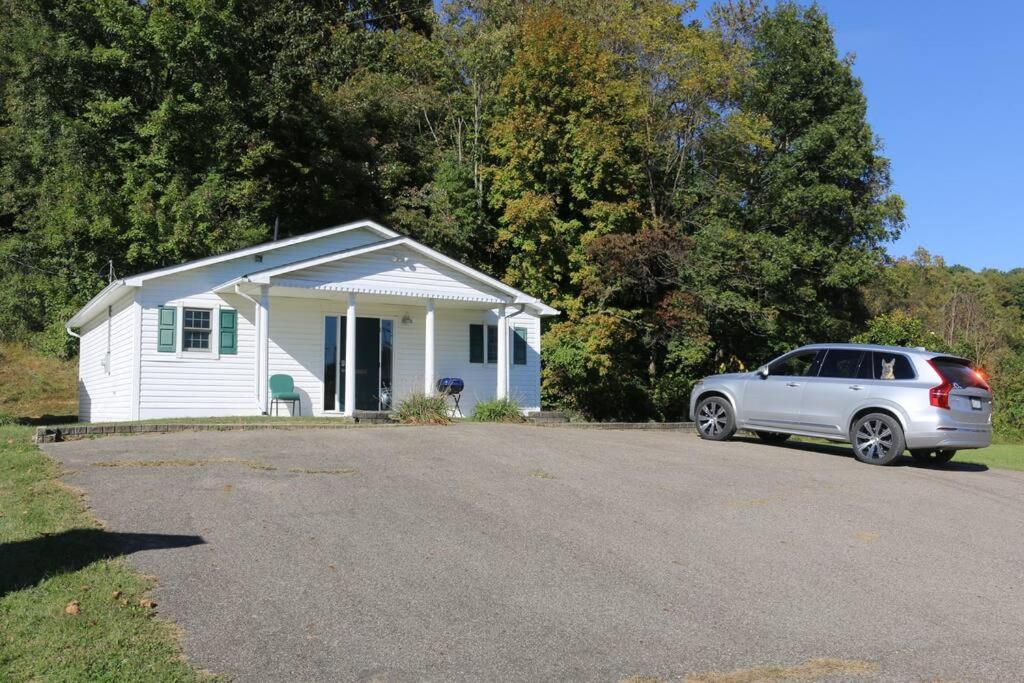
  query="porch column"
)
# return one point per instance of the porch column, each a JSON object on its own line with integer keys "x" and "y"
{"x": 502, "y": 353}
{"x": 350, "y": 356}
{"x": 428, "y": 351}
{"x": 263, "y": 350}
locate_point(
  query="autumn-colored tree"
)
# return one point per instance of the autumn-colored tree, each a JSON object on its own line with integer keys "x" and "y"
{"x": 566, "y": 163}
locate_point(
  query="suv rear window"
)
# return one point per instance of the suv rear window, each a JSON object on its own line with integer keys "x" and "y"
{"x": 883, "y": 365}
{"x": 959, "y": 373}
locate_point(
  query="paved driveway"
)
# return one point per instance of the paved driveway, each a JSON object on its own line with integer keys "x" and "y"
{"x": 522, "y": 553}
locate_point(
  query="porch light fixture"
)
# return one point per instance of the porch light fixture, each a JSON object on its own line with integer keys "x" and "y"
{"x": 406, "y": 319}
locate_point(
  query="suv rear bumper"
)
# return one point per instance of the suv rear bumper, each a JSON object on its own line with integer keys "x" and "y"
{"x": 959, "y": 437}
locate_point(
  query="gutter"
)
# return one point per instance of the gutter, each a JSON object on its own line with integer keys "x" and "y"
{"x": 67, "y": 328}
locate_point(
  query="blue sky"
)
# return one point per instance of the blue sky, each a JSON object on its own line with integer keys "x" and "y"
{"x": 945, "y": 88}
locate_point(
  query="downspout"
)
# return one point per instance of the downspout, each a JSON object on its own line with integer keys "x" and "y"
{"x": 67, "y": 328}
{"x": 259, "y": 359}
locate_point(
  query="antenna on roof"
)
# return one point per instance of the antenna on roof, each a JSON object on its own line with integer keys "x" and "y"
{"x": 277, "y": 223}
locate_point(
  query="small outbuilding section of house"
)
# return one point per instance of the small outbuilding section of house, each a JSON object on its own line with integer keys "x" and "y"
{"x": 203, "y": 339}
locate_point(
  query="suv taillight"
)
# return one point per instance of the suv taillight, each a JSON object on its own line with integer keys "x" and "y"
{"x": 939, "y": 396}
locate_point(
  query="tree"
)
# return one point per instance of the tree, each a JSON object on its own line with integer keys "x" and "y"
{"x": 794, "y": 198}
{"x": 566, "y": 158}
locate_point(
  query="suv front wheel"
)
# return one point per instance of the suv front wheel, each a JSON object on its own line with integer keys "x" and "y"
{"x": 877, "y": 439}
{"x": 715, "y": 419}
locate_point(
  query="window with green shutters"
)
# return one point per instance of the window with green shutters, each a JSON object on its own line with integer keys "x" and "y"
{"x": 519, "y": 346}
{"x": 228, "y": 331}
{"x": 167, "y": 332}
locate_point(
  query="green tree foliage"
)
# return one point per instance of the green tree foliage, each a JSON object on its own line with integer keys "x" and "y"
{"x": 922, "y": 301}
{"x": 566, "y": 159}
{"x": 900, "y": 329}
{"x": 695, "y": 196}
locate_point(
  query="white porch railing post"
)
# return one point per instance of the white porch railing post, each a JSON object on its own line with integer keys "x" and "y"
{"x": 263, "y": 358}
{"x": 502, "y": 353}
{"x": 428, "y": 351}
{"x": 350, "y": 356}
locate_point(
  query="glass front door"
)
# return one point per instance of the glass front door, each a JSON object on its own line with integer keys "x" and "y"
{"x": 374, "y": 358}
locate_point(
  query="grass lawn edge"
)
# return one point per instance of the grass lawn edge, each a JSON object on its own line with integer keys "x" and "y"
{"x": 71, "y": 608}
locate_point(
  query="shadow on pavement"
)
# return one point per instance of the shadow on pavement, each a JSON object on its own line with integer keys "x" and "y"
{"x": 26, "y": 563}
{"x": 844, "y": 452}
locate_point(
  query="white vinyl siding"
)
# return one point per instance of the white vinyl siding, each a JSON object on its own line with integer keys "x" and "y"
{"x": 105, "y": 382}
{"x": 195, "y": 384}
{"x": 380, "y": 272}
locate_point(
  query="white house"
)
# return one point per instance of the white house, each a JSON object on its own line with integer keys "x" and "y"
{"x": 202, "y": 338}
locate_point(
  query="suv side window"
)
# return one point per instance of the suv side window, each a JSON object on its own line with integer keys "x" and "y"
{"x": 845, "y": 363}
{"x": 803, "y": 364}
{"x": 886, "y": 366}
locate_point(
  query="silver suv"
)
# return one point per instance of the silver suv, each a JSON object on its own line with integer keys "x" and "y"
{"x": 881, "y": 399}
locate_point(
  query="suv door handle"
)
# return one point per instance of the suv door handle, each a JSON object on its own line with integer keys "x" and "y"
{"x": 856, "y": 387}
{"x": 792, "y": 384}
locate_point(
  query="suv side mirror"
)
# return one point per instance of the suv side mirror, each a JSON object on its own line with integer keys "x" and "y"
{"x": 762, "y": 372}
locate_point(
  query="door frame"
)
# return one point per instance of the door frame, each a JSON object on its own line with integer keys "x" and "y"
{"x": 339, "y": 389}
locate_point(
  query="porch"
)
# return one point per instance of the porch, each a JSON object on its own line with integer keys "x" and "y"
{"x": 397, "y": 345}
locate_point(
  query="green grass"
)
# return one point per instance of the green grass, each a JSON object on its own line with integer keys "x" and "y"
{"x": 52, "y": 553}
{"x": 498, "y": 410}
{"x": 1005, "y": 456}
{"x": 423, "y": 410}
{"x": 33, "y": 386}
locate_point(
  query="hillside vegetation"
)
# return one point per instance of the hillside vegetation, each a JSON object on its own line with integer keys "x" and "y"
{"x": 34, "y": 385}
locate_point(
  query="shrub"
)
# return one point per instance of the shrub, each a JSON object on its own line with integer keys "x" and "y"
{"x": 7, "y": 419}
{"x": 421, "y": 409}
{"x": 498, "y": 410}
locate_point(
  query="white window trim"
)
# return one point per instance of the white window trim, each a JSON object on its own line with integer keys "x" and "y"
{"x": 214, "y": 352}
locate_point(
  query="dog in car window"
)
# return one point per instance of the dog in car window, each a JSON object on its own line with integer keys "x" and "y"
{"x": 887, "y": 368}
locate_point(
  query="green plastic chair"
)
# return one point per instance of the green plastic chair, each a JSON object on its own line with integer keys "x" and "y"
{"x": 282, "y": 390}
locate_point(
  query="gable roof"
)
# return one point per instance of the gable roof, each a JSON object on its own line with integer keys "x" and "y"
{"x": 115, "y": 290}
{"x": 516, "y": 296}
{"x": 112, "y": 292}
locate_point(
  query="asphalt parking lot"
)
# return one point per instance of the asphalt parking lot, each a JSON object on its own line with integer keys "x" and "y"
{"x": 500, "y": 552}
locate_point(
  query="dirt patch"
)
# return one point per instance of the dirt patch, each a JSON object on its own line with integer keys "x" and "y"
{"x": 811, "y": 670}
{"x": 342, "y": 471}
{"x": 185, "y": 462}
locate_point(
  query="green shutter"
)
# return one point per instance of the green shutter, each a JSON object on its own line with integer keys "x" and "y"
{"x": 476, "y": 343}
{"x": 228, "y": 331}
{"x": 167, "y": 332}
{"x": 519, "y": 346}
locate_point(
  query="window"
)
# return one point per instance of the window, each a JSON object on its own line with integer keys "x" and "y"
{"x": 959, "y": 373}
{"x": 801, "y": 364}
{"x": 519, "y": 346}
{"x": 841, "y": 363}
{"x": 195, "y": 329}
{"x": 477, "y": 346}
{"x": 886, "y": 366}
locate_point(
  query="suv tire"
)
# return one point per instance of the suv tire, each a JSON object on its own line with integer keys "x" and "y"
{"x": 773, "y": 437}
{"x": 877, "y": 439}
{"x": 935, "y": 457}
{"x": 715, "y": 419}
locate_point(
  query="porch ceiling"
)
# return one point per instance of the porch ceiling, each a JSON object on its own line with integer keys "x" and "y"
{"x": 364, "y": 298}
